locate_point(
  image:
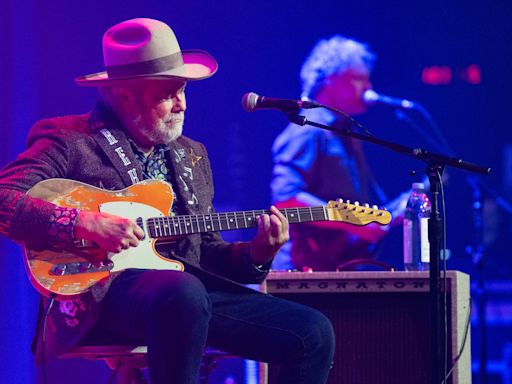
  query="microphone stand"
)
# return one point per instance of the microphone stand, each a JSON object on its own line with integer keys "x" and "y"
{"x": 435, "y": 164}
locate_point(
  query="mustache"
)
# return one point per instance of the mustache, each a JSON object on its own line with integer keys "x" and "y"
{"x": 176, "y": 117}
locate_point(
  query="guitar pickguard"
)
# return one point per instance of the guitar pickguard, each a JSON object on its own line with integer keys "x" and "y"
{"x": 144, "y": 256}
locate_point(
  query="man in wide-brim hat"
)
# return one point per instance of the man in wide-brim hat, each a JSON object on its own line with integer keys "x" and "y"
{"x": 135, "y": 134}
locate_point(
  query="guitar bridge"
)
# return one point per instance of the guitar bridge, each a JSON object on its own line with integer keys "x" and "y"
{"x": 81, "y": 267}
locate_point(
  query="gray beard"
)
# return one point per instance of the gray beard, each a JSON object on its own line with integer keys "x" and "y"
{"x": 161, "y": 133}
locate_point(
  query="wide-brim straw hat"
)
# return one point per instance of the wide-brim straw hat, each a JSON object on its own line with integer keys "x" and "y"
{"x": 147, "y": 49}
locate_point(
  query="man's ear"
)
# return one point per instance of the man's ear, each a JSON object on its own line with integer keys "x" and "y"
{"x": 126, "y": 97}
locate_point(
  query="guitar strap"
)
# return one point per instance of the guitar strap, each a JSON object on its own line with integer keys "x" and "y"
{"x": 115, "y": 144}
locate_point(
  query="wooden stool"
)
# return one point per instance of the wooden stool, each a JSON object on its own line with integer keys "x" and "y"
{"x": 128, "y": 360}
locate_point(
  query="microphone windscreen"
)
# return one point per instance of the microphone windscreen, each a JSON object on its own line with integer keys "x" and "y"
{"x": 370, "y": 96}
{"x": 250, "y": 101}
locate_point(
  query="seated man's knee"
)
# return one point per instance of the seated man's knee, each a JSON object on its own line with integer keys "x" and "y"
{"x": 320, "y": 333}
{"x": 179, "y": 294}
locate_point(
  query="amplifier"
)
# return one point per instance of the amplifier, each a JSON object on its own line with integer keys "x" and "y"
{"x": 382, "y": 323}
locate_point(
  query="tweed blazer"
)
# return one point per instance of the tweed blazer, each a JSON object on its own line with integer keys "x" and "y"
{"x": 93, "y": 148}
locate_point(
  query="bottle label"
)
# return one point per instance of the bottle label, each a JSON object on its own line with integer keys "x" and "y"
{"x": 416, "y": 244}
{"x": 425, "y": 245}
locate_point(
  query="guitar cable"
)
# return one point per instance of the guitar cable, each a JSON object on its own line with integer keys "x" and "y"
{"x": 43, "y": 346}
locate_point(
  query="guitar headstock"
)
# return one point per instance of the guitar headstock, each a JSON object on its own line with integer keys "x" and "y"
{"x": 356, "y": 213}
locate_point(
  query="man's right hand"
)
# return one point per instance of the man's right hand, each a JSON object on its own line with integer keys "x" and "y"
{"x": 112, "y": 233}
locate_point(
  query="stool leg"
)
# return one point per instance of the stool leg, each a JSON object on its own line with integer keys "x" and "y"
{"x": 130, "y": 375}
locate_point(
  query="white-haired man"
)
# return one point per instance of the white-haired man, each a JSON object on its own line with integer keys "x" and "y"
{"x": 133, "y": 135}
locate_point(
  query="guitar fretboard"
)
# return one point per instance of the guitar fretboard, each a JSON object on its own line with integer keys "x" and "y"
{"x": 188, "y": 224}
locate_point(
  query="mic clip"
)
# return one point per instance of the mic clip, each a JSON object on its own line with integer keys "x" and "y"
{"x": 295, "y": 118}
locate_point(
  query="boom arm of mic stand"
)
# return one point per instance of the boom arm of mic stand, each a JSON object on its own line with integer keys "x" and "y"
{"x": 431, "y": 158}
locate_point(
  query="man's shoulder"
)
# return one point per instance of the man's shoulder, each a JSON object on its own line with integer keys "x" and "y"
{"x": 77, "y": 123}
{"x": 68, "y": 126}
{"x": 186, "y": 141}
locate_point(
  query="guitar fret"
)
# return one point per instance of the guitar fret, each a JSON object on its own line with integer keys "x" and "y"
{"x": 217, "y": 220}
{"x": 162, "y": 226}
{"x": 197, "y": 222}
{"x": 248, "y": 217}
{"x": 325, "y": 214}
{"x": 224, "y": 221}
{"x": 245, "y": 220}
{"x": 230, "y": 221}
{"x": 165, "y": 226}
{"x": 206, "y": 226}
{"x": 183, "y": 224}
{"x": 212, "y": 222}
{"x": 183, "y": 227}
{"x": 174, "y": 226}
{"x": 190, "y": 224}
{"x": 227, "y": 220}
{"x": 292, "y": 217}
{"x": 180, "y": 222}
{"x": 157, "y": 228}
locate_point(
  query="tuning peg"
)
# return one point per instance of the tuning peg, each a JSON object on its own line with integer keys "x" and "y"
{"x": 348, "y": 201}
{"x": 375, "y": 207}
{"x": 356, "y": 203}
{"x": 367, "y": 205}
{"x": 339, "y": 200}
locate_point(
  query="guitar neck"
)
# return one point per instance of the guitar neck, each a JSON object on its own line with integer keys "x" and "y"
{"x": 170, "y": 226}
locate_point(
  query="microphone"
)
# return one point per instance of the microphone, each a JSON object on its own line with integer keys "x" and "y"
{"x": 371, "y": 97}
{"x": 252, "y": 102}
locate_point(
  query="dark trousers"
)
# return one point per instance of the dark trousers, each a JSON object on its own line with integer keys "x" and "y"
{"x": 177, "y": 316}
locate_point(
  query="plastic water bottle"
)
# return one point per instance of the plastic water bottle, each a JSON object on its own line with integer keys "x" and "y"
{"x": 416, "y": 244}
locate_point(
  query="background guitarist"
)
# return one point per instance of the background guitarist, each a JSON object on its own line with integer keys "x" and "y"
{"x": 135, "y": 133}
{"x": 313, "y": 165}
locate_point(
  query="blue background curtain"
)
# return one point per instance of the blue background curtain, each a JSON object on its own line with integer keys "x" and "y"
{"x": 260, "y": 46}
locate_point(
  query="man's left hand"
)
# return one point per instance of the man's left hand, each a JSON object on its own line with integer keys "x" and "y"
{"x": 272, "y": 234}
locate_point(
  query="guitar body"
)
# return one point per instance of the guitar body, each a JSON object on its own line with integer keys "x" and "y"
{"x": 68, "y": 273}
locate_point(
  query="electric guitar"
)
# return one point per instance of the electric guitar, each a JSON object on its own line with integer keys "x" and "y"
{"x": 65, "y": 273}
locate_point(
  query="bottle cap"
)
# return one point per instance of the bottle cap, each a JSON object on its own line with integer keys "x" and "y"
{"x": 418, "y": 186}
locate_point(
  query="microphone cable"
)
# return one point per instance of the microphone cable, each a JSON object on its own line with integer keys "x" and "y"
{"x": 353, "y": 121}
{"x": 440, "y": 141}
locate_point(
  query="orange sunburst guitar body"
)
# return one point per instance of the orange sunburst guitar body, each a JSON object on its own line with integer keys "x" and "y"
{"x": 65, "y": 273}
